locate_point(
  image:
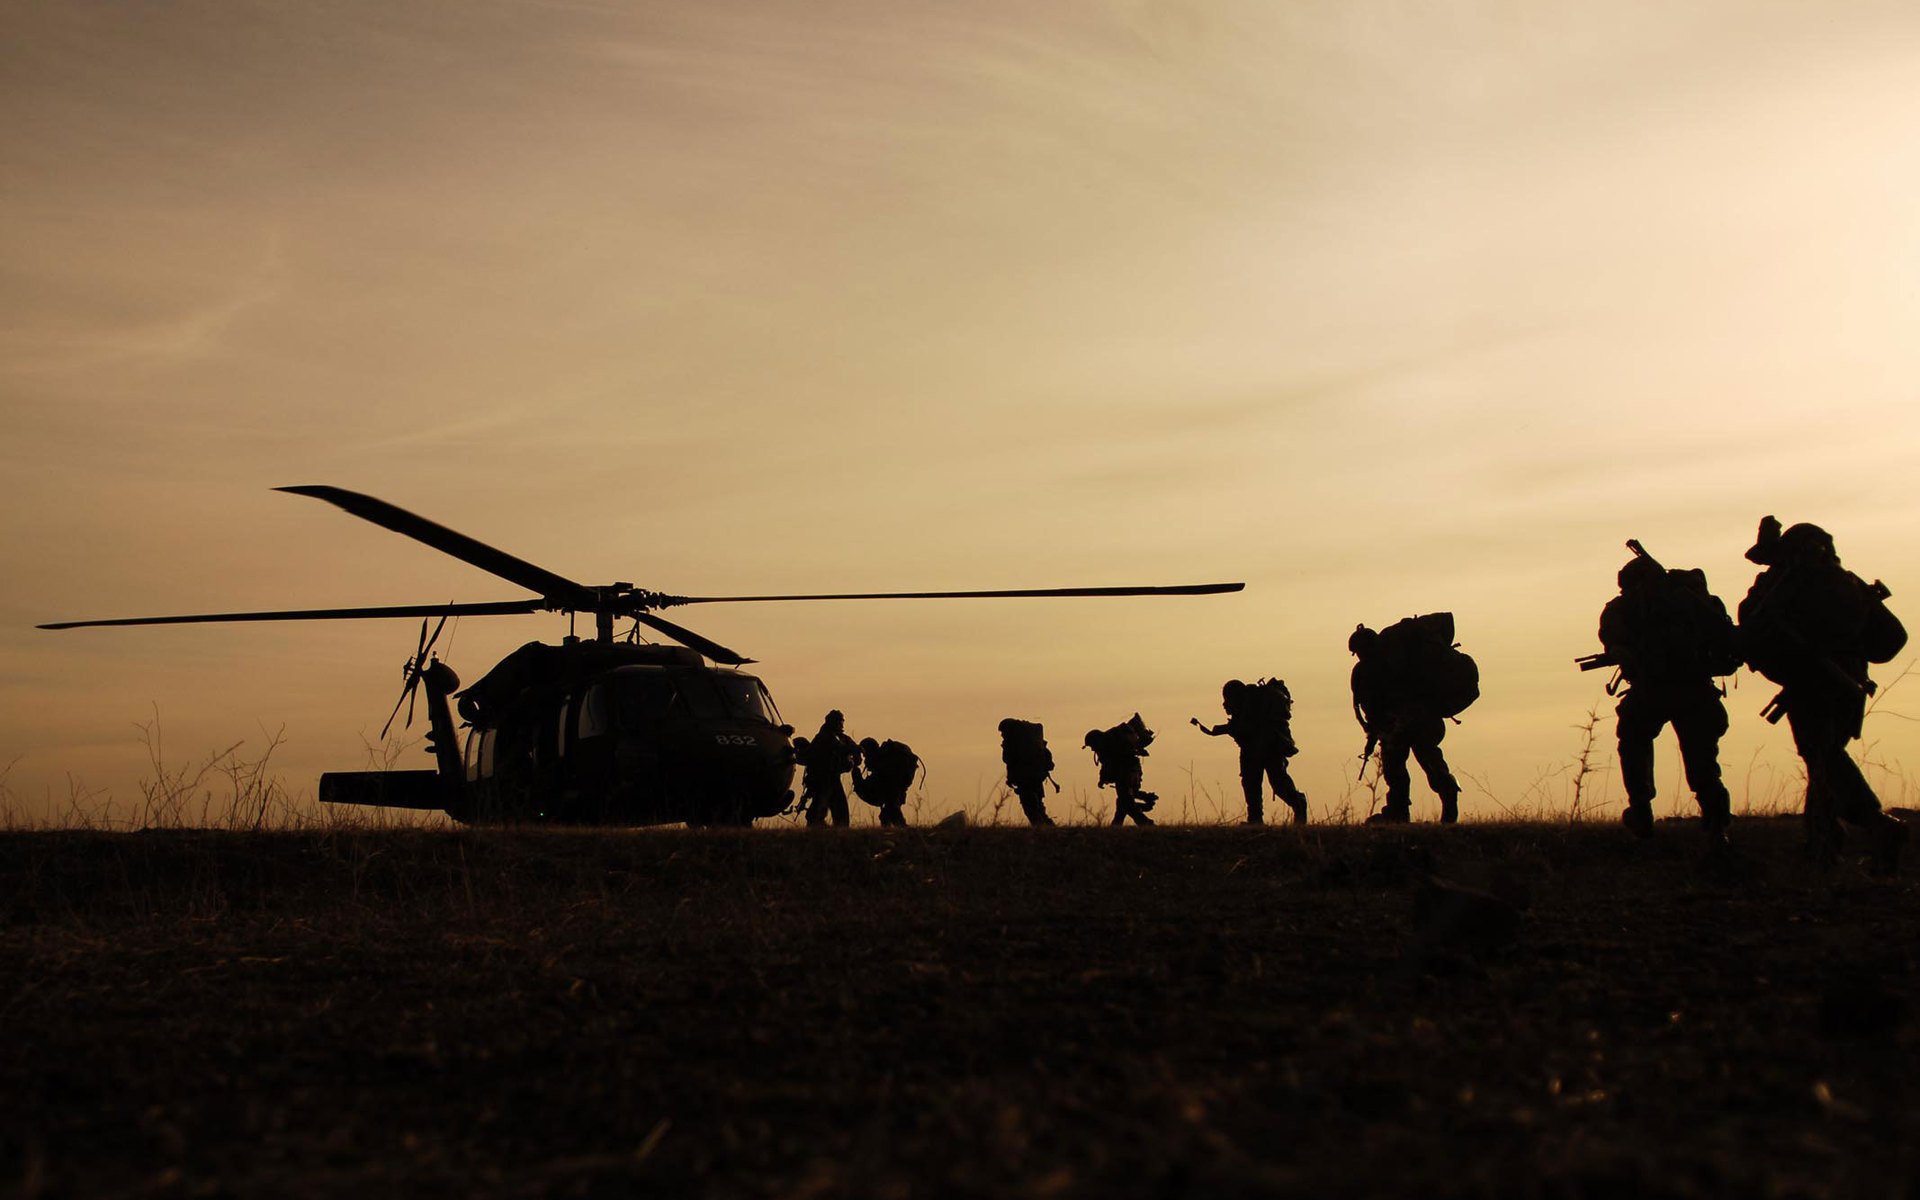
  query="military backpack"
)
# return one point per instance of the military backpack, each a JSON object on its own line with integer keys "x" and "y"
{"x": 1421, "y": 658}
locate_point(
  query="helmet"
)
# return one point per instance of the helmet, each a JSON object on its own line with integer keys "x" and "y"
{"x": 1807, "y": 542}
{"x": 1639, "y": 572}
{"x": 1361, "y": 640}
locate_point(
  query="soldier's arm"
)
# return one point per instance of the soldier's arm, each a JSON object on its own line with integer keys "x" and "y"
{"x": 1209, "y": 730}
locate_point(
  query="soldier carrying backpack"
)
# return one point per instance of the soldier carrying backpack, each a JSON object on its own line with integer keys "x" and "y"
{"x": 1023, "y": 747}
{"x": 1259, "y": 720}
{"x": 890, "y": 770}
{"x": 1670, "y": 637}
{"x": 1119, "y": 751}
{"x": 1812, "y": 626}
{"x": 1410, "y": 678}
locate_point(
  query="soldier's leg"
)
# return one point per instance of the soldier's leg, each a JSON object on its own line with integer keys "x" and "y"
{"x": 1398, "y": 809}
{"x": 1033, "y": 802}
{"x": 837, "y": 804}
{"x": 1832, "y": 722}
{"x": 893, "y": 812}
{"x": 1698, "y": 724}
{"x": 1250, "y": 781}
{"x": 1285, "y": 788}
{"x": 814, "y": 806}
{"x": 1640, "y": 719}
{"x": 1816, "y": 736}
{"x": 1426, "y": 751}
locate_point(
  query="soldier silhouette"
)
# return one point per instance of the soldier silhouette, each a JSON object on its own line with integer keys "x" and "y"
{"x": 1119, "y": 751}
{"x": 828, "y": 755}
{"x": 1812, "y": 626}
{"x": 1023, "y": 748}
{"x": 890, "y": 769}
{"x": 1409, "y": 679}
{"x": 1259, "y": 720}
{"x": 1670, "y": 637}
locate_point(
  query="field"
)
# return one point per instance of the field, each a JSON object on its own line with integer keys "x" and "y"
{"x": 985, "y": 1012}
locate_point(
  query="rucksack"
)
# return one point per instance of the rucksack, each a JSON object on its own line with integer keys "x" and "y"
{"x": 1419, "y": 654}
{"x": 897, "y": 763}
{"x": 1023, "y": 747}
{"x": 1674, "y": 629}
{"x": 1795, "y": 612}
{"x": 1269, "y": 701}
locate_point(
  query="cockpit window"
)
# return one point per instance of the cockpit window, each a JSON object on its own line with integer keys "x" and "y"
{"x": 744, "y": 696}
{"x": 639, "y": 700}
{"x": 713, "y": 694}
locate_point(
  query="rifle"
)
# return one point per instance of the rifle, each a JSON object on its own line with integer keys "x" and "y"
{"x": 1366, "y": 755}
{"x": 1640, "y": 551}
{"x": 1777, "y": 707}
{"x": 1595, "y": 662}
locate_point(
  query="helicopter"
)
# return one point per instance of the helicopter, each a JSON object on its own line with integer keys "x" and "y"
{"x": 604, "y": 731}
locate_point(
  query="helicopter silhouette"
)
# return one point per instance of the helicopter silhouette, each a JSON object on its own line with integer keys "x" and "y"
{"x": 601, "y": 732}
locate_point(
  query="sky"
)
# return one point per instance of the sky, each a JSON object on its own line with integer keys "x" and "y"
{"x": 1380, "y": 307}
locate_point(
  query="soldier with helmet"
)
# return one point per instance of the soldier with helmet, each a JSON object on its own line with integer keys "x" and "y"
{"x": 824, "y": 758}
{"x": 1812, "y": 626}
{"x": 888, "y": 777}
{"x": 1259, "y": 720}
{"x": 1119, "y": 751}
{"x": 1670, "y": 637}
{"x": 1409, "y": 679}
{"x": 1023, "y": 748}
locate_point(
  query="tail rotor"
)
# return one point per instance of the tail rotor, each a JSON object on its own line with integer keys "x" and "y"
{"x": 415, "y": 669}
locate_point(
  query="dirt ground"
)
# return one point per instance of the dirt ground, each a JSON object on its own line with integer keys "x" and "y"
{"x": 982, "y": 1012}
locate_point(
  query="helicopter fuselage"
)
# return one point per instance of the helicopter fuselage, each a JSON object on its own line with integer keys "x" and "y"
{"x": 596, "y": 734}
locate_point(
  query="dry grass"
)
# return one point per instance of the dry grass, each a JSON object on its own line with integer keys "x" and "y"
{"x": 992, "y": 1012}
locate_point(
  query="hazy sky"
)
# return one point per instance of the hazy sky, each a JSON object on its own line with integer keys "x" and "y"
{"x": 1382, "y": 307}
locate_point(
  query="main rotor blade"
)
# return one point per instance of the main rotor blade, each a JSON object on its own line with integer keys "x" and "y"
{"x": 496, "y": 608}
{"x": 687, "y": 637}
{"x": 1186, "y": 589}
{"x": 447, "y": 541}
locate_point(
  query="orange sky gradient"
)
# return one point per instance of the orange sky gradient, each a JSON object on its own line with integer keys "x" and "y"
{"x": 1381, "y": 308}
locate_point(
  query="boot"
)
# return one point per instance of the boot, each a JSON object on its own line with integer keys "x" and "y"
{"x": 1299, "y": 806}
{"x": 1450, "y": 808}
{"x": 1638, "y": 818}
{"x": 1393, "y": 814}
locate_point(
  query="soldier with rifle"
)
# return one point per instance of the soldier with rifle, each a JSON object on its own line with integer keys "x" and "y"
{"x": 1812, "y": 626}
{"x": 1119, "y": 751}
{"x": 1670, "y": 639}
{"x": 1410, "y": 677}
{"x": 1259, "y": 720}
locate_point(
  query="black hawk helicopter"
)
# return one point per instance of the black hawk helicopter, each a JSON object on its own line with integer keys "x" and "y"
{"x": 601, "y": 732}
